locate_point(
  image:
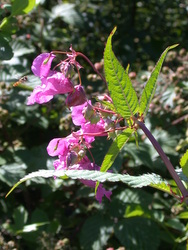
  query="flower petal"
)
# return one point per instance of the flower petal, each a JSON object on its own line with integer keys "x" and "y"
{"x": 40, "y": 67}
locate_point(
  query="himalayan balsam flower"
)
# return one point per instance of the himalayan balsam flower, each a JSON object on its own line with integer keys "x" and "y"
{"x": 76, "y": 97}
{"x": 71, "y": 151}
{"x": 85, "y": 164}
{"x": 53, "y": 82}
{"x": 88, "y": 130}
{"x": 42, "y": 64}
{"x": 71, "y": 155}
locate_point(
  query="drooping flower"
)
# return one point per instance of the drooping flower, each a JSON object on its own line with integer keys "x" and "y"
{"x": 85, "y": 164}
{"x": 76, "y": 97}
{"x": 55, "y": 84}
{"x": 91, "y": 130}
{"x": 42, "y": 64}
{"x": 94, "y": 126}
{"x": 77, "y": 114}
{"x": 61, "y": 146}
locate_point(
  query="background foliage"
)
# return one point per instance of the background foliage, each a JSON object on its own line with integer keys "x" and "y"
{"x": 63, "y": 214}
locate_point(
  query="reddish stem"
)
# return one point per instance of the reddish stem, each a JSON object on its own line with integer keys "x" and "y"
{"x": 165, "y": 159}
{"x": 91, "y": 64}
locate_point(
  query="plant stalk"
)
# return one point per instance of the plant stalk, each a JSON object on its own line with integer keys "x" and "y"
{"x": 91, "y": 64}
{"x": 165, "y": 159}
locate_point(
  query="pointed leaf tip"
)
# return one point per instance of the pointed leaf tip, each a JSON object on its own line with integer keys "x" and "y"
{"x": 119, "y": 84}
{"x": 113, "y": 31}
{"x": 150, "y": 87}
{"x": 173, "y": 46}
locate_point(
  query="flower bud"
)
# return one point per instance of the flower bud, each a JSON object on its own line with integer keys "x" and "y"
{"x": 77, "y": 97}
{"x": 72, "y": 158}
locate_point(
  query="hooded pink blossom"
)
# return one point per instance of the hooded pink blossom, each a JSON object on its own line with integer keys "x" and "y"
{"x": 88, "y": 129}
{"x": 85, "y": 164}
{"x": 60, "y": 146}
{"x": 55, "y": 84}
{"x": 98, "y": 128}
{"x": 77, "y": 114}
{"x": 76, "y": 97}
{"x": 42, "y": 64}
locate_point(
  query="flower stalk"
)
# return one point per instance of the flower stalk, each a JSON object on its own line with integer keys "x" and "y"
{"x": 166, "y": 161}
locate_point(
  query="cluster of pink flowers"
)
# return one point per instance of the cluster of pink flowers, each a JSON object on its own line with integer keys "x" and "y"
{"x": 71, "y": 151}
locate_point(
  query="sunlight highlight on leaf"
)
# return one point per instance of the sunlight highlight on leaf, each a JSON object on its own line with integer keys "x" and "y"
{"x": 115, "y": 148}
{"x": 184, "y": 163}
{"x": 133, "y": 181}
{"x": 149, "y": 90}
{"x": 119, "y": 84}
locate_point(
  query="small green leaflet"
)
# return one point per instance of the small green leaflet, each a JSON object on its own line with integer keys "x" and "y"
{"x": 149, "y": 90}
{"x": 21, "y": 7}
{"x": 184, "y": 163}
{"x": 120, "y": 87}
{"x": 115, "y": 148}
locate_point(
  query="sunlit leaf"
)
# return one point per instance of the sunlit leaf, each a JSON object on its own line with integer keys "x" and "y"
{"x": 10, "y": 173}
{"x": 20, "y": 7}
{"x": 184, "y": 163}
{"x": 120, "y": 87}
{"x": 134, "y": 181}
{"x": 115, "y": 148}
{"x": 138, "y": 233}
{"x": 32, "y": 227}
{"x": 68, "y": 13}
{"x": 149, "y": 90}
{"x": 6, "y": 52}
{"x": 95, "y": 232}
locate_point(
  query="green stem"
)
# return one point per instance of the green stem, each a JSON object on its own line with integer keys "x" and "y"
{"x": 165, "y": 159}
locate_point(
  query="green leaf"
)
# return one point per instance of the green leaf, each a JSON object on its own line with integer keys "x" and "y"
{"x": 115, "y": 148}
{"x": 183, "y": 215}
{"x": 11, "y": 173}
{"x": 184, "y": 163}
{"x": 9, "y": 26}
{"x": 21, "y": 48}
{"x": 175, "y": 224}
{"x": 135, "y": 210}
{"x": 138, "y": 233}
{"x": 6, "y": 52}
{"x": 20, "y": 7}
{"x": 134, "y": 181}
{"x": 163, "y": 186}
{"x": 95, "y": 232}
{"x": 20, "y": 217}
{"x": 69, "y": 13}
{"x": 120, "y": 87}
{"x": 31, "y": 227}
{"x": 149, "y": 90}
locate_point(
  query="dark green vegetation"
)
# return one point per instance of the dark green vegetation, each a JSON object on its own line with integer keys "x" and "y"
{"x": 63, "y": 214}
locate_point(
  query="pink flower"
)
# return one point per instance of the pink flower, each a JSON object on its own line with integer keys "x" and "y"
{"x": 55, "y": 84}
{"x": 60, "y": 146}
{"x": 76, "y": 97}
{"x": 85, "y": 164}
{"x": 77, "y": 114}
{"x": 42, "y": 64}
{"x": 98, "y": 128}
{"x": 57, "y": 146}
{"x": 88, "y": 129}
{"x": 38, "y": 96}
